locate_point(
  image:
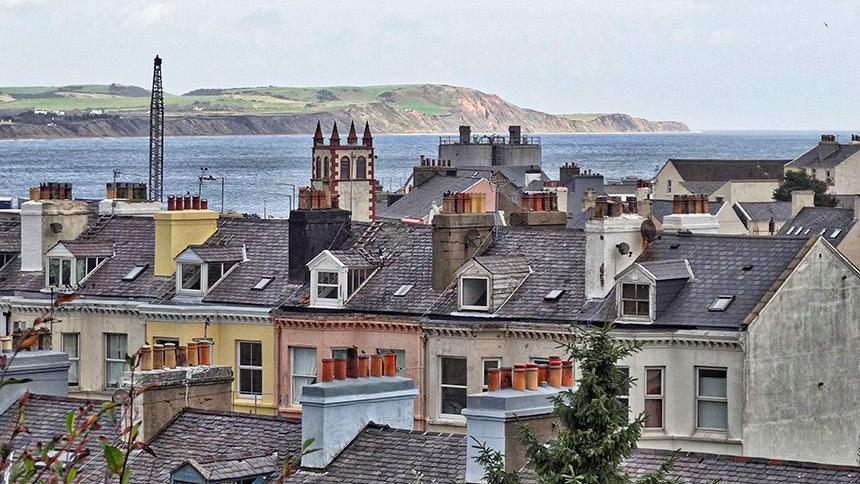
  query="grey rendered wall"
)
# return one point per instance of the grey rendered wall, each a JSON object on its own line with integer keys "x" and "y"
{"x": 802, "y": 366}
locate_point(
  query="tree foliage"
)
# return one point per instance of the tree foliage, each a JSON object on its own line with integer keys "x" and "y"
{"x": 800, "y": 180}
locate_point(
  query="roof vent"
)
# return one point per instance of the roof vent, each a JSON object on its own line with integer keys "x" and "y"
{"x": 748, "y": 267}
{"x": 674, "y": 246}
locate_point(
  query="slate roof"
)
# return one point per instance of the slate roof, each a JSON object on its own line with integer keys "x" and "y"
{"x": 353, "y": 259}
{"x": 381, "y": 454}
{"x": 507, "y": 264}
{"x": 711, "y": 170}
{"x": 10, "y": 236}
{"x": 233, "y": 469}
{"x": 812, "y": 220}
{"x": 762, "y": 211}
{"x": 812, "y": 158}
{"x": 219, "y": 253}
{"x": 515, "y": 174}
{"x": 534, "y": 186}
{"x": 703, "y": 187}
{"x": 207, "y": 435}
{"x": 45, "y": 418}
{"x": 89, "y": 248}
{"x": 417, "y": 203}
{"x": 668, "y": 269}
{"x": 555, "y": 256}
{"x": 718, "y": 263}
{"x": 266, "y": 243}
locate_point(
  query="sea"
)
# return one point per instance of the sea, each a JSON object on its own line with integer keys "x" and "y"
{"x": 262, "y": 173}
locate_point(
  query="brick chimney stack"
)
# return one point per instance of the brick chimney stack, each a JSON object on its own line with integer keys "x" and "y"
{"x": 460, "y": 232}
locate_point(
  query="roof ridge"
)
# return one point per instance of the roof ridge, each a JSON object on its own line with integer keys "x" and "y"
{"x": 752, "y": 460}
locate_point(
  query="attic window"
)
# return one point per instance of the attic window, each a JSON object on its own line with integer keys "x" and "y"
{"x": 823, "y": 231}
{"x": 134, "y": 272}
{"x": 721, "y": 303}
{"x": 835, "y": 233}
{"x": 748, "y": 267}
{"x": 674, "y": 246}
{"x": 262, "y": 283}
{"x": 403, "y": 290}
{"x": 474, "y": 293}
{"x": 797, "y": 231}
{"x": 807, "y": 231}
{"x": 553, "y": 295}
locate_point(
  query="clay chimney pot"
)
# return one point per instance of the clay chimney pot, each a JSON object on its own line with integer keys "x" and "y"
{"x": 340, "y": 369}
{"x": 157, "y": 357}
{"x": 327, "y": 369}
{"x": 376, "y": 365}
{"x": 505, "y": 377}
{"x": 390, "y": 364}
{"x": 192, "y": 353}
{"x": 567, "y": 373}
{"x": 363, "y": 366}
{"x": 145, "y": 356}
{"x": 519, "y": 378}
{"x": 493, "y": 380}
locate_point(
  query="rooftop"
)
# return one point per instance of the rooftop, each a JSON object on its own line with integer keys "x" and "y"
{"x": 712, "y": 170}
{"x": 417, "y": 203}
{"x": 834, "y": 154}
{"x": 763, "y": 211}
{"x": 831, "y": 223}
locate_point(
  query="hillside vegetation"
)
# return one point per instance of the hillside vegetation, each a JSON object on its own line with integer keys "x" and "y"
{"x": 400, "y": 108}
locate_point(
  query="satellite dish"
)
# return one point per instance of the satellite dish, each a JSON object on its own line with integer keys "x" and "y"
{"x": 648, "y": 230}
{"x": 623, "y": 248}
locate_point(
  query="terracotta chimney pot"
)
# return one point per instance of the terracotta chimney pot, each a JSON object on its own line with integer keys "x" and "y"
{"x": 532, "y": 376}
{"x": 192, "y": 353}
{"x": 170, "y": 355}
{"x": 543, "y": 373}
{"x": 376, "y": 365}
{"x": 567, "y": 373}
{"x": 363, "y": 366}
{"x": 181, "y": 355}
{"x": 327, "y": 369}
{"x": 340, "y": 369}
{"x": 145, "y": 356}
{"x": 204, "y": 352}
{"x": 556, "y": 359}
{"x": 505, "y": 377}
{"x": 390, "y": 364}
{"x": 519, "y": 378}
{"x": 157, "y": 357}
{"x": 554, "y": 379}
{"x": 493, "y": 380}
{"x": 351, "y": 362}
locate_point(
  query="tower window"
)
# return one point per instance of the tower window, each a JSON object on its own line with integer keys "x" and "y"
{"x": 318, "y": 168}
{"x": 360, "y": 168}
{"x": 325, "y": 167}
{"x": 345, "y": 168}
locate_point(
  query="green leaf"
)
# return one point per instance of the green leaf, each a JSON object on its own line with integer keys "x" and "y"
{"x": 113, "y": 458}
{"x": 70, "y": 421}
{"x": 14, "y": 381}
{"x": 70, "y": 477}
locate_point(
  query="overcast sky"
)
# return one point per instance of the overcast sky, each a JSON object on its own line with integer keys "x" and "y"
{"x": 717, "y": 64}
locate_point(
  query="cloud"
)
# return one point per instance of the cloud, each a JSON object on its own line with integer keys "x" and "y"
{"x": 721, "y": 37}
{"x": 19, "y": 3}
{"x": 148, "y": 14}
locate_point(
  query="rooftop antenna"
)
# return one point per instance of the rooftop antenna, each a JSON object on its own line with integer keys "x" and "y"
{"x": 156, "y": 135}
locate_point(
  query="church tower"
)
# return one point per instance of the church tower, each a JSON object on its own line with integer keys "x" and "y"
{"x": 346, "y": 171}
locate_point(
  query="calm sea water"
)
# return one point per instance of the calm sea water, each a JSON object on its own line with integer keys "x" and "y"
{"x": 259, "y": 169}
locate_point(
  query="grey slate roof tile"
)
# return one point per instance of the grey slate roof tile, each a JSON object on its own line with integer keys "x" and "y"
{"x": 812, "y": 159}
{"x": 417, "y": 203}
{"x": 711, "y": 170}
{"x": 10, "y": 236}
{"x": 218, "y": 253}
{"x": 668, "y": 269}
{"x": 702, "y": 187}
{"x": 764, "y": 211}
{"x": 817, "y": 219}
{"x": 353, "y": 259}
{"x": 89, "y": 248}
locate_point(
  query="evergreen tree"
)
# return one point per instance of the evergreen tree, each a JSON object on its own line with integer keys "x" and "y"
{"x": 799, "y": 180}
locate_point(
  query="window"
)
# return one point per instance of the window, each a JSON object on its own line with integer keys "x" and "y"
{"x": 338, "y": 353}
{"x": 84, "y": 266}
{"x": 355, "y": 280}
{"x": 473, "y": 293}
{"x": 71, "y": 342}
{"x": 360, "y": 168}
{"x": 190, "y": 274}
{"x": 163, "y": 340}
{"x": 711, "y": 399}
{"x": 399, "y": 359}
{"x": 653, "y": 398}
{"x": 623, "y": 391}
{"x": 453, "y": 385}
{"x": 635, "y": 300}
{"x": 134, "y": 272}
{"x": 402, "y": 290}
{"x": 669, "y": 186}
{"x": 318, "y": 168}
{"x": 262, "y": 283}
{"x": 835, "y": 233}
{"x": 116, "y": 347}
{"x": 59, "y": 272}
{"x": 5, "y": 258}
{"x": 721, "y": 304}
{"x": 250, "y": 368}
{"x": 553, "y": 295}
{"x": 303, "y": 365}
{"x": 325, "y": 167}
{"x": 215, "y": 271}
{"x": 327, "y": 286}
{"x": 344, "y": 168}
{"x": 488, "y": 364}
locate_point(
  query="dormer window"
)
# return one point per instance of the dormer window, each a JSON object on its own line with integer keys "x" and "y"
{"x": 327, "y": 285}
{"x": 636, "y": 300}
{"x": 71, "y": 262}
{"x": 474, "y": 293}
{"x": 199, "y": 268}
{"x": 190, "y": 276}
{"x": 336, "y": 275}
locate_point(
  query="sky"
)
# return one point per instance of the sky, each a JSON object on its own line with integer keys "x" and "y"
{"x": 720, "y": 64}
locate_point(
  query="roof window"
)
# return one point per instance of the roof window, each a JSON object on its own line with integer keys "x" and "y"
{"x": 748, "y": 267}
{"x": 135, "y": 272}
{"x": 553, "y": 295}
{"x": 807, "y": 231}
{"x": 790, "y": 230}
{"x": 402, "y": 290}
{"x": 823, "y": 231}
{"x": 835, "y": 233}
{"x": 262, "y": 283}
{"x": 674, "y": 246}
{"x": 721, "y": 303}
{"x": 797, "y": 231}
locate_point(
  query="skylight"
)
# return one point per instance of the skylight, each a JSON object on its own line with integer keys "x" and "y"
{"x": 748, "y": 267}
{"x": 797, "y": 231}
{"x": 823, "y": 231}
{"x": 553, "y": 295}
{"x": 835, "y": 233}
{"x": 721, "y": 303}
{"x": 402, "y": 290}
{"x": 790, "y": 230}
{"x": 262, "y": 283}
{"x": 134, "y": 272}
{"x": 807, "y": 231}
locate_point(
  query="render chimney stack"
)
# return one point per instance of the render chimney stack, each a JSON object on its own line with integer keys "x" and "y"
{"x": 801, "y": 199}
{"x": 827, "y": 146}
{"x": 46, "y": 222}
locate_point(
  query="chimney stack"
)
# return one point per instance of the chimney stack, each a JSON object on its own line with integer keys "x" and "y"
{"x": 176, "y": 229}
{"x": 611, "y": 226}
{"x": 312, "y": 231}
{"x": 460, "y": 232}
{"x": 801, "y": 199}
{"x": 827, "y": 146}
{"x": 515, "y": 135}
{"x": 465, "y": 134}
{"x": 691, "y": 213}
{"x": 46, "y": 222}
{"x": 492, "y": 416}
{"x": 335, "y": 411}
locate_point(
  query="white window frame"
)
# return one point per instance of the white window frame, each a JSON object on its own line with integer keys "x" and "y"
{"x": 60, "y": 261}
{"x": 625, "y": 397}
{"x": 109, "y": 361}
{"x": 461, "y": 293}
{"x": 240, "y": 367}
{"x": 449, "y": 385}
{"x": 621, "y": 299}
{"x": 700, "y": 398}
{"x": 484, "y": 361}
{"x": 74, "y": 361}
{"x": 661, "y": 396}
{"x": 203, "y": 274}
{"x": 293, "y": 400}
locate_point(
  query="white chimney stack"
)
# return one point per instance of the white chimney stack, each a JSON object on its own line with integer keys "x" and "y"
{"x": 801, "y": 199}
{"x": 44, "y": 223}
{"x": 605, "y": 240}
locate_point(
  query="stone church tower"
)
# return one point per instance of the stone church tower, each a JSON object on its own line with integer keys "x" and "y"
{"x": 345, "y": 171}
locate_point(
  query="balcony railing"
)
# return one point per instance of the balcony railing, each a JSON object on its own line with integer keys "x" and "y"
{"x": 490, "y": 139}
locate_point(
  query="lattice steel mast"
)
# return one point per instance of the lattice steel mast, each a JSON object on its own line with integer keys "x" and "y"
{"x": 156, "y": 135}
